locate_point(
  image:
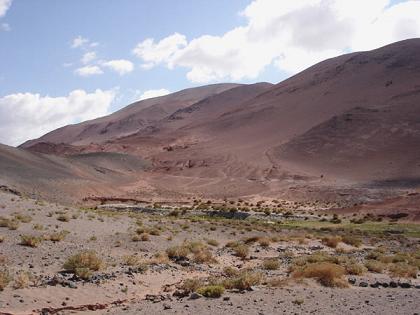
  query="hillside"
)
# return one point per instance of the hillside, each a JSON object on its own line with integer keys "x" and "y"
{"x": 346, "y": 122}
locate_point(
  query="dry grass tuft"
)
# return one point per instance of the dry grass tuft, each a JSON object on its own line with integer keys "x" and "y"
{"x": 4, "y": 279}
{"x": 331, "y": 241}
{"x": 241, "y": 251}
{"x": 352, "y": 240}
{"x": 83, "y": 263}
{"x": 375, "y": 266}
{"x": 244, "y": 281}
{"x": 30, "y": 240}
{"x": 211, "y": 291}
{"x": 271, "y": 264}
{"x": 22, "y": 280}
{"x": 403, "y": 270}
{"x": 327, "y": 274}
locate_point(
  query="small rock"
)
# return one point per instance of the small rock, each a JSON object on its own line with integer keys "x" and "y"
{"x": 393, "y": 284}
{"x": 363, "y": 284}
{"x": 195, "y": 296}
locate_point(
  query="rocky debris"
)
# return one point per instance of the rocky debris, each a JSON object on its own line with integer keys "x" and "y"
{"x": 156, "y": 298}
{"x": 10, "y": 190}
{"x": 180, "y": 294}
{"x": 71, "y": 280}
{"x": 88, "y": 307}
{"x": 383, "y": 284}
{"x": 195, "y": 296}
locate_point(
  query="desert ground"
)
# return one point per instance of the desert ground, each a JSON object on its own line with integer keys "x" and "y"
{"x": 204, "y": 257}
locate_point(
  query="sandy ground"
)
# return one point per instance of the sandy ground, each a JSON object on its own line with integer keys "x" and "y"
{"x": 120, "y": 288}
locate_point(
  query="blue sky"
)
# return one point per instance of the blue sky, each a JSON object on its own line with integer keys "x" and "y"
{"x": 62, "y": 62}
{"x": 34, "y": 52}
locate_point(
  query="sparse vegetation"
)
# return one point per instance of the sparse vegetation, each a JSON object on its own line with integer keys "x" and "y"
{"x": 22, "y": 280}
{"x": 375, "y": 266}
{"x": 326, "y": 273}
{"x": 244, "y": 281}
{"x": 30, "y": 240}
{"x": 211, "y": 291}
{"x": 4, "y": 279}
{"x": 271, "y": 264}
{"x": 83, "y": 263}
{"x": 331, "y": 241}
{"x": 241, "y": 251}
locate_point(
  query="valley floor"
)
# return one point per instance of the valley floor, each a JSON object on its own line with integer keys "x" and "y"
{"x": 65, "y": 260}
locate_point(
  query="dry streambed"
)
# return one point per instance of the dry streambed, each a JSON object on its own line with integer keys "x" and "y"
{"x": 61, "y": 259}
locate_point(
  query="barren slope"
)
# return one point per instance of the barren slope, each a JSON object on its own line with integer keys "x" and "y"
{"x": 346, "y": 122}
{"x": 68, "y": 179}
{"x": 129, "y": 119}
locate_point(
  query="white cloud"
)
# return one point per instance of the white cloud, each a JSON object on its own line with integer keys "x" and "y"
{"x": 4, "y": 6}
{"x": 25, "y": 116}
{"x": 88, "y": 57}
{"x": 151, "y": 93}
{"x": 5, "y": 27}
{"x": 153, "y": 54}
{"x": 121, "y": 66}
{"x": 88, "y": 71}
{"x": 291, "y": 35}
{"x": 79, "y": 41}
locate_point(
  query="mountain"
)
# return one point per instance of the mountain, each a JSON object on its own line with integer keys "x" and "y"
{"x": 344, "y": 124}
{"x": 68, "y": 179}
{"x": 129, "y": 119}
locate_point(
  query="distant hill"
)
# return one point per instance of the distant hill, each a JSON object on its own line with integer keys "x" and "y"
{"x": 350, "y": 121}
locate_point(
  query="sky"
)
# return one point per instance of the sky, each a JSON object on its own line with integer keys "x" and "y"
{"x": 62, "y": 62}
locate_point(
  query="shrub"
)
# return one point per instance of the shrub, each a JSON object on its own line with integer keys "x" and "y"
{"x": 177, "y": 252}
{"x": 83, "y": 263}
{"x": 4, "y": 279}
{"x": 30, "y": 240}
{"x": 135, "y": 238}
{"x": 375, "y": 266}
{"x": 10, "y": 224}
{"x": 154, "y": 232}
{"x": 271, "y": 264}
{"x": 241, "y": 251}
{"x": 356, "y": 269}
{"x": 244, "y": 281}
{"x": 159, "y": 258}
{"x": 83, "y": 273}
{"x": 38, "y": 227}
{"x": 331, "y": 241}
{"x": 144, "y": 237}
{"x": 131, "y": 260}
{"x": 57, "y": 237}
{"x": 22, "y": 280}
{"x": 204, "y": 256}
{"x": 264, "y": 241}
{"x": 327, "y": 274}
{"x": 191, "y": 285}
{"x": 352, "y": 240}
{"x": 211, "y": 291}
{"x": 23, "y": 218}
{"x": 403, "y": 270}
{"x": 231, "y": 271}
{"x": 252, "y": 239}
